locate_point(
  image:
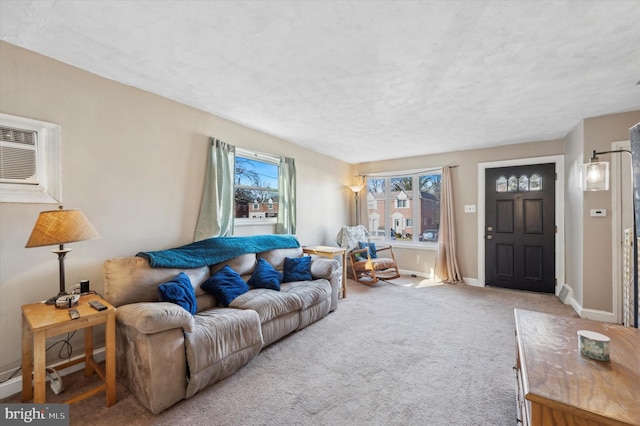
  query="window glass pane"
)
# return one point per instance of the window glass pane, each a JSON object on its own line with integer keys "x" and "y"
{"x": 375, "y": 207}
{"x": 501, "y": 184}
{"x": 256, "y": 189}
{"x": 429, "y": 207}
{"x": 513, "y": 184}
{"x": 406, "y": 197}
{"x": 523, "y": 184}
{"x": 535, "y": 184}
{"x": 401, "y": 194}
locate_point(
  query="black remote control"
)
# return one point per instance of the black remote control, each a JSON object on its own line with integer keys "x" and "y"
{"x": 97, "y": 305}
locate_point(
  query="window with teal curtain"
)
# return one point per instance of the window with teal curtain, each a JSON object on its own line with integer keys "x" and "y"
{"x": 216, "y": 211}
{"x": 242, "y": 185}
{"x": 287, "y": 190}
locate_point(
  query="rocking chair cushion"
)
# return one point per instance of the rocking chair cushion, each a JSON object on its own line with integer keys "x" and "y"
{"x": 377, "y": 264}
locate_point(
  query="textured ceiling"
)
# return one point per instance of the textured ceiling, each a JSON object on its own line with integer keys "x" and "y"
{"x": 358, "y": 80}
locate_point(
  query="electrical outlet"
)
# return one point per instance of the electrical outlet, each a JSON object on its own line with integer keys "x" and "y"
{"x": 469, "y": 208}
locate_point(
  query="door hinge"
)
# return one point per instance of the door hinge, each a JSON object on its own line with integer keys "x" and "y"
{"x": 556, "y": 227}
{"x": 556, "y": 176}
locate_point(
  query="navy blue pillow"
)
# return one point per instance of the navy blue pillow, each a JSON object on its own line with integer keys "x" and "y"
{"x": 372, "y": 249}
{"x": 225, "y": 285}
{"x": 265, "y": 276}
{"x": 297, "y": 269}
{"x": 179, "y": 291}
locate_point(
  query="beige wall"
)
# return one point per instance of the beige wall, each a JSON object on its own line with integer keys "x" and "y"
{"x": 465, "y": 188}
{"x": 599, "y": 134}
{"x": 134, "y": 162}
{"x": 574, "y": 159}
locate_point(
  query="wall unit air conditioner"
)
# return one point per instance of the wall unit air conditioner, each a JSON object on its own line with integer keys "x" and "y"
{"x": 18, "y": 156}
{"x": 30, "y": 162}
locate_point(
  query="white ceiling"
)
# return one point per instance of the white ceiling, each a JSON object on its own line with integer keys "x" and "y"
{"x": 358, "y": 80}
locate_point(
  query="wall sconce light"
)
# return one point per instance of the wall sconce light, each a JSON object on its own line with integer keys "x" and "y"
{"x": 595, "y": 173}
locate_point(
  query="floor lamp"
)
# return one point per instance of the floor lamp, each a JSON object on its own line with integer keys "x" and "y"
{"x": 595, "y": 177}
{"x": 356, "y": 189}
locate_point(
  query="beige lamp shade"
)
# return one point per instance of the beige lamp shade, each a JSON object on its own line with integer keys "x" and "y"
{"x": 61, "y": 227}
{"x": 356, "y": 188}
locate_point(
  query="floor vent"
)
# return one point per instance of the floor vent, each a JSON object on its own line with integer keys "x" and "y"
{"x": 564, "y": 293}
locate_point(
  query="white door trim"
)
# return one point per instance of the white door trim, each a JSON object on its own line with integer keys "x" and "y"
{"x": 616, "y": 226}
{"x": 559, "y": 162}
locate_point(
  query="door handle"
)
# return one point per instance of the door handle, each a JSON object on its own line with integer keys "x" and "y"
{"x": 489, "y": 237}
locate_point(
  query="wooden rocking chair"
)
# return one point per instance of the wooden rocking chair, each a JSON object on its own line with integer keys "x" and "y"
{"x": 366, "y": 266}
{"x": 369, "y": 270}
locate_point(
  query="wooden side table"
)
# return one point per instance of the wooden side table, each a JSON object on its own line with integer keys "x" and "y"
{"x": 331, "y": 252}
{"x": 40, "y": 321}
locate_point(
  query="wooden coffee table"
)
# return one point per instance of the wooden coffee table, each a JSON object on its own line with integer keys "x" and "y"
{"x": 559, "y": 386}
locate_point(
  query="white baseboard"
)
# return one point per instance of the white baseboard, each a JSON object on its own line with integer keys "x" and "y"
{"x": 416, "y": 273}
{"x": 591, "y": 314}
{"x": 13, "y": 386}
{"x": 472, "y": 281}
{"x": 594, "y": 314}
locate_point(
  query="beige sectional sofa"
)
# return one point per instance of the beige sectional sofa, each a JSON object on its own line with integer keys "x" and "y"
{"x": 166, "y": 354}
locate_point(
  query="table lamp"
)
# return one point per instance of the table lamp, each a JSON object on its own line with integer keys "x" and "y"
{"x": 58, "y": 227}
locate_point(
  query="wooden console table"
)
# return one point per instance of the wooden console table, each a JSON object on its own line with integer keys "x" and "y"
{"x": 331, "y": 252}
{"x": 558, "y": 386}
{"x": 40, "y": 321}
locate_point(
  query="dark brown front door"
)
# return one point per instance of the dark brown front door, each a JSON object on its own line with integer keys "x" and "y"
{"x": 520, "y": 227}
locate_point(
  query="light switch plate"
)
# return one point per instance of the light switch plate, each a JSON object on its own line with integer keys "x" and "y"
{"x": 469, "y": 208}
{"x": 598, "y": 212}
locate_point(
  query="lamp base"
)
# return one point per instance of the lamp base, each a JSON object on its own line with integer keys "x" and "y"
{"x": 52, "y": 300}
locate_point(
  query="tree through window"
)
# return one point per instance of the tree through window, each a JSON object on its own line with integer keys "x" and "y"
{"x": 256, "y": 185}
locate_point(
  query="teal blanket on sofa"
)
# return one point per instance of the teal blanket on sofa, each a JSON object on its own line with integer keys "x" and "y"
{"x": 216, "y": 250}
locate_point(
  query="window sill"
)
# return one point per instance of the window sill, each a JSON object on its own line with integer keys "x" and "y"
{"x": 408, "y": 245}
{"x": 254, "y": 222}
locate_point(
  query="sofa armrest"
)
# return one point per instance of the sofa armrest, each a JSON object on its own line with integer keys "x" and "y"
{"x": 154, "y": 317}
{"x": 323, "y": 268}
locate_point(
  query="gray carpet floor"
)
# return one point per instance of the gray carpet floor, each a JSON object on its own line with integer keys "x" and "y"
{"x": 409, "y": 353}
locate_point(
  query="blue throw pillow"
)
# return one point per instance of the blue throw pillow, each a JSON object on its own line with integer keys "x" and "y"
{"x": 225, "y": 285}
{"x": 265, "y": 276}
{"x": 372, "y": 249}
{"x": 179, "y": 291}
{"x": 297, "y": 269}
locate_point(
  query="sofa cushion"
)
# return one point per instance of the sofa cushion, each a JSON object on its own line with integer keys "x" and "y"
{"x": 225, "y": 285}
{"x": 265, "y": 276}
{"x": 243, "y": 264}
{"x": 180, "y": 292}
{"x": 131, "y": 280}
{"x": 309, "y": 292}
{"x": 276, "y": 257}
{"x": 219, "y": 333}
{"x": 268, "y": 304}
{"x": 297, "y": 269}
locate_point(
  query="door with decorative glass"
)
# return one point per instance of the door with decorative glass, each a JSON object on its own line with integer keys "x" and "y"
{"x": 520, "y": 227}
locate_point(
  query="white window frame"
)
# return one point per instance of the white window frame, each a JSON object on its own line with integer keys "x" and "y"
{"x": 48, "y": 190}
{"x": 415, "y": 207}
{"x": 267, "y": 158}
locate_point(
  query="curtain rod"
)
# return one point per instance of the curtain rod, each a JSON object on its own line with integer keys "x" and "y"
{"x": 404, "y": 172}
